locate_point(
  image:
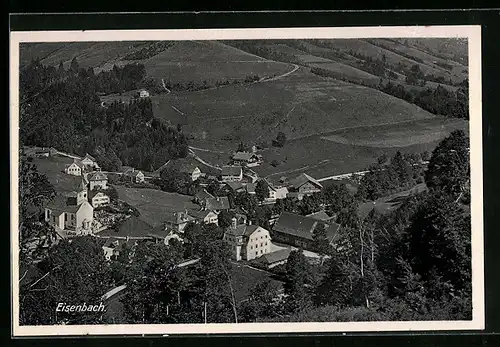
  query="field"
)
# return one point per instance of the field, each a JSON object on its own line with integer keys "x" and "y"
{"x": 53, "y": 168}
{"x": 300, "y": 104}
{"x": 399, "y": 134}
{"x": 389, "y": 203}
{"x": 320, "y": 116}
{"x": 154, "y": 205}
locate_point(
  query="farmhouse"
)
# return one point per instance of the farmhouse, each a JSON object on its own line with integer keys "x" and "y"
{"x": 75, "y": 168}
{"x": 177, "y": 221}
{"x": 217, "y": 203}
{"x": 232, "y": 173}
{"x": 247, "y": 158}
{"x": 144, "y": 94}
{"x": 135, "y": 176}
{"x": 89, "y": 162}
{"x": 97, "y": 180}
{"x": 273, "y": 259}
{"x": 187, "y": 166}
{"x": 98, "y": 198}
{"x": 247, "y": 241}
{"x": 68, "y": 213}
{"x": 277, "y": 192}
{"x": 113, "y": 246}
{"x": 296, "y": 230}
{"x": 205, "y": 216}
{"x": 306, "y": 185}
{"x": 201, "y": 196}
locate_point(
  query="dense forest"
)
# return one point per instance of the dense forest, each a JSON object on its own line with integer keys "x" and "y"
{"x": 61, "y": 108}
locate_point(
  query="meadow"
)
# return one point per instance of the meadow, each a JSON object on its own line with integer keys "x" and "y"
{"x": 53, "y": 168}
{"x": 154, "y": 205}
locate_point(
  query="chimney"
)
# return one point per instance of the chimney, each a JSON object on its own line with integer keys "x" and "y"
{"x": 234, "y": 222}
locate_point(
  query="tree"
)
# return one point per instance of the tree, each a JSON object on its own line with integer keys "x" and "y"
{"x": 35, "y": 191}
{"x": 72, "y": 272}
{"x": 74, "y": 66}
{"x": 225, "y": 218}
{"x": 262, "y": 190}
{"x": 296, "y": 279}
{"x": 401, "y": 168}
{"x": 261, "y": 301}
{"x": 280, "y": 139}
{"x": 448, "y": 168}
{"x": 321, "y": 242}
{"x": 337, "y": 197}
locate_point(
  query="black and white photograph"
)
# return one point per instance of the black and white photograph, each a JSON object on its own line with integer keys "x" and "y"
{"x": 242, "y": 180}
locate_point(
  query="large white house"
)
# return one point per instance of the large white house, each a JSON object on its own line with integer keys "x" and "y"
{"x": 247, "y": 241}
{"x": 76, "y": 168}
{"x": 89, "y": 162}
{"x": 97, "y": 180}
{"x": 98, "y": 198}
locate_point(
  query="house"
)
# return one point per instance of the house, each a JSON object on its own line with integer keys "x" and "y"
{"x": 97, "y": 180}
{"x": 201, "y": 196}
{"x": 273, "y": 259}
{"x": 144, "y": 94}
{"x": 70, "y": 214}
{"x": 232, "y": 173}
{"x": 296, "y": 230}
{"x": 76, "y": 168}
{"x": 98, "y": 198}
{"x": 305, "y": 185}
{"x": 135, "y": 176}
{"x": 246, "y": 159}
{"x": 113, "y": 246}
{"x": 247, "y": 241}
{"x": 276, "y": 193}
{"x": 217, "y": 203}
{"x": 239, "y": 187}
{"x": 89, "y": 162}
{"x": 205, "y": 216}
{"x": 250, "y": 188}
{"x": 177, "y": 221}
{"x": 187, "y": 166}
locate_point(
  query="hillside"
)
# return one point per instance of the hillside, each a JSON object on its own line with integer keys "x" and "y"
{"x": 300, "y": 104}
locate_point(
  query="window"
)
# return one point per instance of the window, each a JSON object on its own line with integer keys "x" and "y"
{"x": 257, "y": 253}
{"x": 261, "y": 244}
{"x": 266, "y": 243}
{"x": 251, "y": 247}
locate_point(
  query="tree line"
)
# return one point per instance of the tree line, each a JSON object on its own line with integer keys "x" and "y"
{"x": 62, "y": 109}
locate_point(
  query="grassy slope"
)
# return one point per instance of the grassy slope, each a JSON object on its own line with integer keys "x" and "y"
{"x": 53, "y": 168}
{"x": 154, "y": 204}
{"x": 255, "y": 113}
{"x": 208, "y": 60}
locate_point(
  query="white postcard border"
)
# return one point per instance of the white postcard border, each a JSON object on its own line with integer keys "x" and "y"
{"x": 471, "y": 32}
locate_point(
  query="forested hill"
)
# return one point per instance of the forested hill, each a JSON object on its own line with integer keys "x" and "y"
{"x": 60, "y": 108}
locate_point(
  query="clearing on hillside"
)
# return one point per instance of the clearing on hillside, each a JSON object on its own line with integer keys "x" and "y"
{"x": 155, "y": 205}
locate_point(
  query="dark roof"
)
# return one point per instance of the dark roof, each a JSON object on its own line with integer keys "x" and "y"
{"x": 321, "y": 215}
{"x": 131, "y": 227}
{"x": 95, "y": 192}
{"x": 304, "y": 178}
{"x": 231, "y": 170}
{"x": 235, "y": 185}
{"x": 78, "y": 162}
{"x": 133, "y": 173}
{"x": 62, "y": 203}
{"x": 244, "y": 156}
{"x": 242, "y": 230}
{"x": 294, "y": 224}
{"x": 97, "y": 176}
{"x": 185, "y": 165}
{"x": 276, "y": 256}
{"x": 217, "y": 203}
{"x": 199, "y": 214}
{"x": 203, "y": 194}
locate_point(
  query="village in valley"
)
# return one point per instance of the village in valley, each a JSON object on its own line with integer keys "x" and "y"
{"x": 298, "y": 180}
